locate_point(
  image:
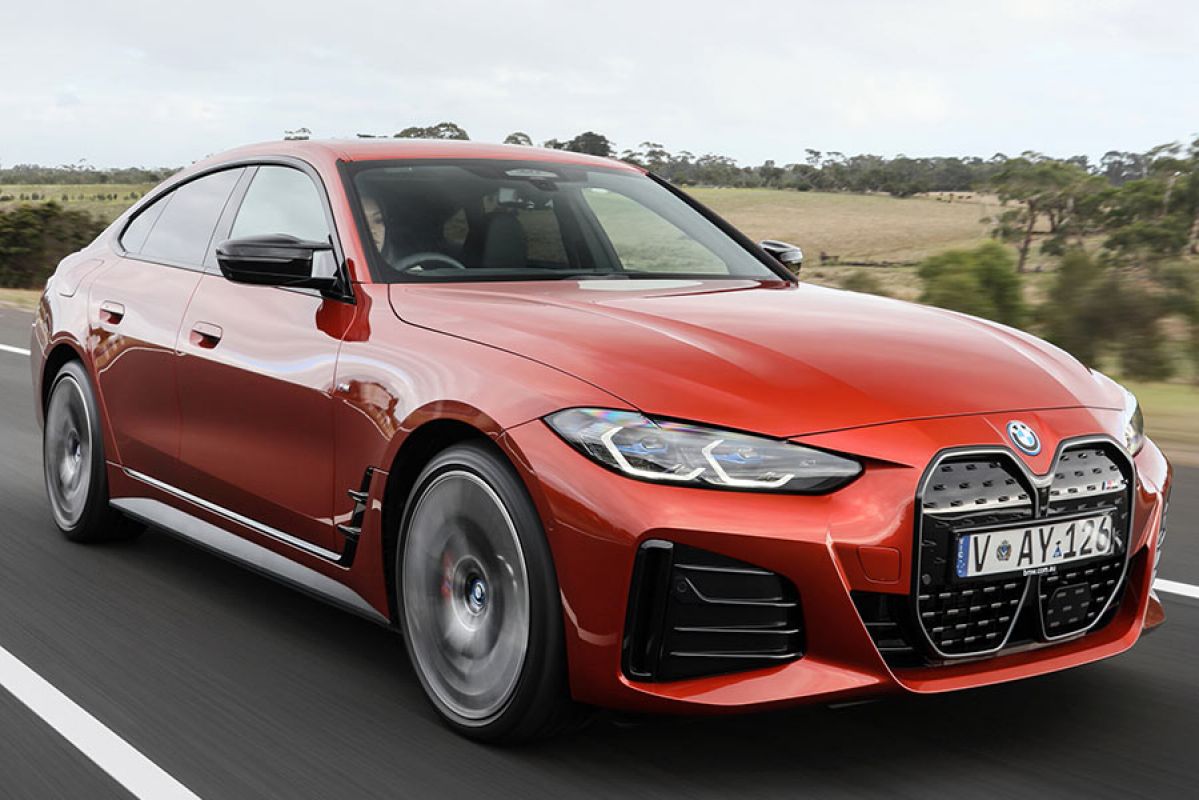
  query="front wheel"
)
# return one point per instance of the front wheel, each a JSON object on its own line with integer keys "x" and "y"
{"x": 479, "y": 602}
{"x": 74, "y": 463}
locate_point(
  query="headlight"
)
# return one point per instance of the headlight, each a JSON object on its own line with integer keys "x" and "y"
{"x": 1134, "y": 424}
{"x": 691, "y": 455}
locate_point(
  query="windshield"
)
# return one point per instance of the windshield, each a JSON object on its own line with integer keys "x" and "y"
{"x": 510, "y": 220}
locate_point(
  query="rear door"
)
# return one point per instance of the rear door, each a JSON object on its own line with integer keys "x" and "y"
{"x": 256, "y": 377}
{"x": 135, "y": 307}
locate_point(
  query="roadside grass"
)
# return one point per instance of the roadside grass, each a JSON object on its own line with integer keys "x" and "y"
{"x": 1171, "y": 418}
{"x": 25, "y": 299}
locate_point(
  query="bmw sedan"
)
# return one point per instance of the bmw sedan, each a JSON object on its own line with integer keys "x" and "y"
{"x": 584, "y": 444}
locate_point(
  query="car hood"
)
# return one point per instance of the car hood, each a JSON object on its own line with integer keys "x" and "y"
{"x": 777, "y": 359}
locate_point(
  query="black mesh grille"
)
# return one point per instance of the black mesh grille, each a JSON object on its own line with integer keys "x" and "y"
{"x": 1072, "y": 599}
{"x": 694, "y": 613}
{"x": 952, "y": 617}
{"x": 968, "y": 492}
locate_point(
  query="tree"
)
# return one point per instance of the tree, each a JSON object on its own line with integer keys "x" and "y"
{"x": 982, "y": 282}
{"x": 591, "y": 143}
{"x": 299, "y": 134}
{"x": 588, "y": 142}
{"x": 1045, "y": 189}
{"x": 1156, "y": 217}
{"x": 442, "y": 130}
{"x": 650, "y": 155}
{"x": 1072, "y": 316}
{"x": 520, "y": 138}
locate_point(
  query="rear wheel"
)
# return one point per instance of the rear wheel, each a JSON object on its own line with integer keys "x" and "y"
{"x": 74, "y": 463}
{"x": 479, "y": 600}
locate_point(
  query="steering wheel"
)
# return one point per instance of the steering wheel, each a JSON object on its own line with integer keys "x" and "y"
{"x": 417, "y": 261}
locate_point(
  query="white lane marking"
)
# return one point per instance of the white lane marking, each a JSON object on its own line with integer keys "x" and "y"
{"x": 1174, "y": 587}
{"x": 138, "y": 774}
{"x": 9, "y": 349}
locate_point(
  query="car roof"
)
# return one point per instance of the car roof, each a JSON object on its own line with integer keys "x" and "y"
{"x": 382, "y": 149}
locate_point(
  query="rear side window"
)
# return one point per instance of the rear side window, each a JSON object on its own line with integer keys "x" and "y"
{"x": 134, "y": 237}
{"x": 183, "y": 230}
{"x": 281, "y": 201}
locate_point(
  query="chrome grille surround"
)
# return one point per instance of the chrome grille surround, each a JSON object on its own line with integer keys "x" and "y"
{"x": 975, "y": 488}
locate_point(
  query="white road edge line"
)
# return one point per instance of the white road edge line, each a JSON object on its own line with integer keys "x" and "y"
{"x": 9, "y": 349}
{"x": 138, "y": 774}
{"x": 1174, "y": 587}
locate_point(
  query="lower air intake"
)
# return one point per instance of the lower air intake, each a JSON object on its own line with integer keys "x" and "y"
{"x": 694, "y": 613}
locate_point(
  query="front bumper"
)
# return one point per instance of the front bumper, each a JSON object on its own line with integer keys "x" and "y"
{"x": 858, "y": 539}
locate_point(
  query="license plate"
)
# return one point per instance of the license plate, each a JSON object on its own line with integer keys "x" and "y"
{"x": 1034, "y": 549}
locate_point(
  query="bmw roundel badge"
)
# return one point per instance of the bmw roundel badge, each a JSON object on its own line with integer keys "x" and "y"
{"x": 1024, "y": 437}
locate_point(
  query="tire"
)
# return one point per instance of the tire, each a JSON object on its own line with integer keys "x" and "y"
{"x": 478, "y": 601}
{"x": 74, "y": 464}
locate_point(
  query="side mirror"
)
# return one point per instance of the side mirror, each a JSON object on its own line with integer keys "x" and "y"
{"x": 789, "y": 255}
{"x": 278, "y": 261}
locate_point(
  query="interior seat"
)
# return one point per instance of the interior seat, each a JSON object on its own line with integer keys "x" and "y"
{"x": 505, "y": 244}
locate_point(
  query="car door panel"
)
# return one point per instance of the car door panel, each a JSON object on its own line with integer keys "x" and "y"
{"x": 255, "y": 379}
{"x": 256, "y": 376}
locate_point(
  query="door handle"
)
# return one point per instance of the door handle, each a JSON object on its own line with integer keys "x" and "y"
{"x": 206, "y": 335}
{"x": 111, "y": 312}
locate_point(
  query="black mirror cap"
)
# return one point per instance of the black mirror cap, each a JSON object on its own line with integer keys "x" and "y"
{"x": 274, "y": 261}
{"x": 789, "y": 255}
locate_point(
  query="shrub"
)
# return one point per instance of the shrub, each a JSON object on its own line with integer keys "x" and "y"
{"x": 982, "y": 282}
{"x": 34, "y": 238}
{"x": 862, "y": 281}
{"x": 1093, "y": 309}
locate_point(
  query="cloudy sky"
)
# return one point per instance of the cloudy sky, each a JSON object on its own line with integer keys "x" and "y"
{"x": 152, "y": 83}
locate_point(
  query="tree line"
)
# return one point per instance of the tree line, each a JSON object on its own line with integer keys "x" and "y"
{"x": 75, "y": 174}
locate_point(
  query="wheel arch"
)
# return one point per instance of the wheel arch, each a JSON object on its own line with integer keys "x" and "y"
{"x": 56, "y": 358}
{"x": 418, "y": 447}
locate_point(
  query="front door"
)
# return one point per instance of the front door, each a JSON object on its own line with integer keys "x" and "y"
{"x": 256, "y": 379}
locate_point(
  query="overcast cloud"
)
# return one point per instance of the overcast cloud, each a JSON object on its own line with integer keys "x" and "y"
{"x": 152, "y": 83}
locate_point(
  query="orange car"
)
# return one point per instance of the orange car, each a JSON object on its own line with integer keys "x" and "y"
{"x": 582, "y": 442}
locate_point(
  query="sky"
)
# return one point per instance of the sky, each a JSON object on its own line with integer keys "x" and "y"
{"x": 124, "y": 83}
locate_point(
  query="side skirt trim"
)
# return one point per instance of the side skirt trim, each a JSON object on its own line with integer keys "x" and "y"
{"x": 243, "y": 551}
{"x": 233, "y": 516}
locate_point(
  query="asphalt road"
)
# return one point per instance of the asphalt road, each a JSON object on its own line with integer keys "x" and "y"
{"x": 240, "y": 688}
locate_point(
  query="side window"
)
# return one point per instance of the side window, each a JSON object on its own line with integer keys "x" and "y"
{"x": 134, "y": 237}
{"x": 647, "y": 242}
{"x": 281, "y": 201}
{"x": 184, "y": 228}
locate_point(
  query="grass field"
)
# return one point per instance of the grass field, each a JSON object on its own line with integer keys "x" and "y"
{"x": 849, "y": 226}
{"x": 94, "y": 198}
{"x": 20, "y": 298}
{"x": 1171, "y": 418}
